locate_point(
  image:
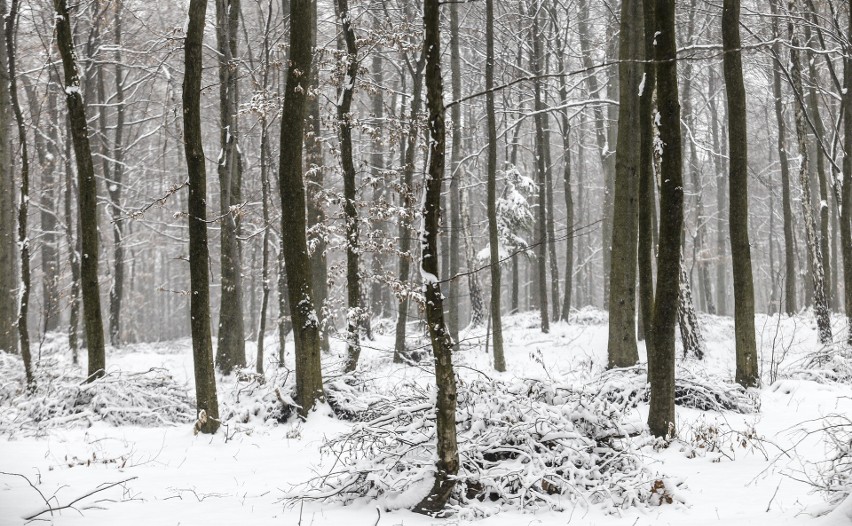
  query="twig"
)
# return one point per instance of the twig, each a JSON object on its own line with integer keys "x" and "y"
{"x": 51, "y": 509}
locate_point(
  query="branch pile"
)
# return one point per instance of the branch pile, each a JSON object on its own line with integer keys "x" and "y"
{"x": 522, "y": 445}
{"x": 832, "y": 363}
{"x": 62, "y": 399}
{"x": 691, "y": 390}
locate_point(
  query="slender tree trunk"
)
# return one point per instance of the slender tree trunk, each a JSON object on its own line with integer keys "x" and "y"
{"x": 306, "y": 330}
{"x": 721, "y": 187}
{"x": 814, "y": 251}
{"x": 378, "y": 289}
{"x": 265, "y": 191}
{"x": 315, "y": 188}
{"x": 447, "y": 465}
{"x": 747, "y": 374}
{"x": 406, "y": 196}
{"x": 606, "y": 155}
{"x": 206, "y": 399}
{"x": 74, "y": 249}
{"x": 621, "y": 348}
{"x": 647, "y": 182}
{"x": 8, "y": 239}
{"x": 230, "y": 348}
{"x": 344, "y": 105}
{"x": 661, "y": 415}
{"x": 455, "y": 176}
{"x": 493, "y": 239}
{"x": 88, "y": 194}
{"x": 690, "y": 332}
{"x": 11, "y": 19}
{"x": 790, "y": 303}
{"x": 537, "y": 63}
{"x": 846, "y": 199}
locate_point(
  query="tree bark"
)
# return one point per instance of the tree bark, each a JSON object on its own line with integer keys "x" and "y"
{"x": 647, "y": 182}
{"x": 537, "y": 66}
{"x": 846, "y": 198}
{"x": 8, "y": 241}
{"x": 493, "y": 235}
{"x": 661, "y": 416}
{"x": 230, "y": 339}
{"x": 306, "y": 330}
{"x": 344, "y": 105}
{"x": 790, "y": 303}
{"x": 621, "y": 347}
{"x": 455, "y": 176}
{"x": 815, "y": 255}
{"x": 447, "y": 465}
{"x": 406, "y": 196}
{"x": 747, "y": 374}
{"x": 606, "y": 155}
{"x": 88, "y": 194}
{"x": 11, "y": 19}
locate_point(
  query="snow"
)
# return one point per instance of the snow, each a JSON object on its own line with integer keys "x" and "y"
{"x": 642, "y": 84}
{"x": 725, "y": 468}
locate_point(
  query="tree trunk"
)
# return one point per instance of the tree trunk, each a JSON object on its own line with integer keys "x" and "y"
{"x": 606, "y": 155}
{"x": 315, "y": 188}
{"x": 493, "y": 239}
{"x": 306, "y": 330}
{"x": 230, "y": 340}
{"x": 647, "y": 182}
{"x": 790, "y": 303}
{"x": 661, "y": 415}
{"x": 690, "y": 332}
{"x": 846, "y": 199}
{"x": 406, "y": 197}
{"x": 621, "y": 348}
{"x": 721, "y": 187}
{"x": 814, "y": 251}
{"x": 447, "y": 465}
{"x": 537, "y": 66}
{"x": 344, "y": 105}
{"x": 455, "y": 176}
{"x": 747, "y": 374}
{"x": 23, "y": 239}
{"x": 206, "y": 399}
{"x": 8, "y": 241}
{"x": 88, "y": 194}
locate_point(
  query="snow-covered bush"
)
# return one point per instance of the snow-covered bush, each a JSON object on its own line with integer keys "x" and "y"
{"x": 832, "y": 363}
{"x": 522, "y": 445}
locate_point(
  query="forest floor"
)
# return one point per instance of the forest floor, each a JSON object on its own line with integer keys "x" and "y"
{"x": 753, "y": 470}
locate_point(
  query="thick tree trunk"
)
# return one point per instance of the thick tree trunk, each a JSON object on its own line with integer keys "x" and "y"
{"x": 344, "y": 105}
{"x": 206, "y": 399}
{"x": 306, "y": 330}
{"x": 493, "y": 235}
{"x": 661, "y": 415}
{"x": 621, "y": 347}
{"x": 88, "y": 194}
{"x": 747, "y": 374}
{"x": 815, "y": 255}
{"x": 447, "y": 465}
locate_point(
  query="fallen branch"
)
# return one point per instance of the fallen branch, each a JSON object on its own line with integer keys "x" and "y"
{"x": 51, "y": 509}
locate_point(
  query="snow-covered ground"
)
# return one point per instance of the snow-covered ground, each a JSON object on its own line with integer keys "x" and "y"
{"x": 752, "y": 468}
